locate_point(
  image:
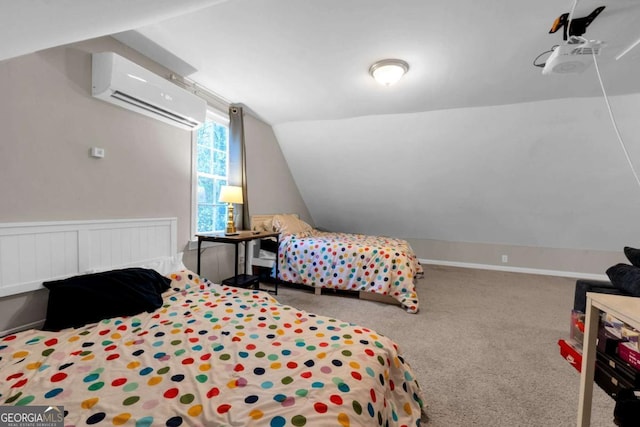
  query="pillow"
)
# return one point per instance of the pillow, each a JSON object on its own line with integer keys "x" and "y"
{"x": 289, "y": 224}
{"x": 626, "y": 278}
{"x": 633, "y": 255}
{"x": 172, "y": 264}
{"x": 167, "y": 265}
{"x": 266, "y": 225}
{"x": 186, "y": 280}
{"x": 89, "y": 298}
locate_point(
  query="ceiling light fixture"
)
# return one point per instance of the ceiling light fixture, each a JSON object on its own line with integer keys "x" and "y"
{"x": 388, "y": 71}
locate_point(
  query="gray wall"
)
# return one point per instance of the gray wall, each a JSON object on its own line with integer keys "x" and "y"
{"x": 49, "y": 121}
{"x": 548, "y": 175}
{"x": 271, "y": 185}
{"x": 585, "y": 263}
{"x": 48, "y": 124}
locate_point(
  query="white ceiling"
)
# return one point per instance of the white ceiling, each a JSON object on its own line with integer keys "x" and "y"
{"x": 436, "y": 145}
{"x": 291, "y": 60}
{"x": 28, "y": 26}
{"x": 295, "y": 60}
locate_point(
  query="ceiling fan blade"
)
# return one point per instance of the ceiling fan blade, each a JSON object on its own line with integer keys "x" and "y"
{"x": 624, "y": 52}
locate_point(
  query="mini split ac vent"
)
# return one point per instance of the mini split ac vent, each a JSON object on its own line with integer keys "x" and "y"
{"x": 138, "y": 103}
{"x": 119, "y": 81}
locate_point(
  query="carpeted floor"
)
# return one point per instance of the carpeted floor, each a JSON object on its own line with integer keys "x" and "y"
{"x": 483, "y": 346}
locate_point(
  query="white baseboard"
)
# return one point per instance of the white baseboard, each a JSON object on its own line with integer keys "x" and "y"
{"x": 32, "y": 325}
{"x": 512, "y": 269}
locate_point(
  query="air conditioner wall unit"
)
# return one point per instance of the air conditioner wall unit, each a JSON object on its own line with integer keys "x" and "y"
{"x": 119, "y": 81}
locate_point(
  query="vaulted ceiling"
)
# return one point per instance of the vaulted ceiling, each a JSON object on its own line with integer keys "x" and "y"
{"x": 294, "y": 60}
{"x": 473, "y": 144}
{"x": 291, "y": 60}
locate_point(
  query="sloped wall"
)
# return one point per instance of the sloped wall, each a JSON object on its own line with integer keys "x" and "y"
{"x": 271, "y": 186}
{"x": 547, "y": 174}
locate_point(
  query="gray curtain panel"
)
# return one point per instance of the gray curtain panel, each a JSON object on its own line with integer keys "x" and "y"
{"x": 238, "y": 156}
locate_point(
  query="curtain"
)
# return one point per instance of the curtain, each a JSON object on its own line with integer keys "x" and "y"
{"x": 238, "y": 161}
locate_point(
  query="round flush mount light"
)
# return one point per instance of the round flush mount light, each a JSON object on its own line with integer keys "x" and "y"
{"x": 388, "y": 71}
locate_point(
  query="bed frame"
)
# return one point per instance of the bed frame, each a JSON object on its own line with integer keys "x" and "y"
{"x": 369, "y": 296}
{"x": 35, "y": 252}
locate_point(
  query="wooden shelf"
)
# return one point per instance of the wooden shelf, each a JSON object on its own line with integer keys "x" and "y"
{"x": 625, "y": 309}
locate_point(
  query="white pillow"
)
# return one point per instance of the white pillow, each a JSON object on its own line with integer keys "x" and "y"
{"x": 167, "y": 265}
{"x": 290, "y": 224}
{"x": 173, "y": 264}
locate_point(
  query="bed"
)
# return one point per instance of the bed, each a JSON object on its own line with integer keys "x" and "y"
{"x": 212, "y": 355}
{"x": 378, "y": 265}
{"x": 189, "y": 352}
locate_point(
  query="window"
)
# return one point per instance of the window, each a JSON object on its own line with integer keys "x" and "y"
{"x": 211, "y": 170}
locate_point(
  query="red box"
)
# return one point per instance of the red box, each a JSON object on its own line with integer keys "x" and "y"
{"x": 571, "y": 354}
{"x": 629, "y": 354}
{"x": 576, "y": 331}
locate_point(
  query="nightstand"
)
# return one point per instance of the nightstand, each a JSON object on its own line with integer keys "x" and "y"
{"x": 239, "y": 280}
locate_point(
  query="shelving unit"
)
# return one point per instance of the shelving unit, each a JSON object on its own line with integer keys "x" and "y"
{"x": 625, "y": 309}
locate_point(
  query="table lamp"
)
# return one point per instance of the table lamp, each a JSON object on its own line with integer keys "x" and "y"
{"x": 230, "y": 194}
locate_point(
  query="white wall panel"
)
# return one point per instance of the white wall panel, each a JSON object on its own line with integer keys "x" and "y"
{"x": 31, "y": 253}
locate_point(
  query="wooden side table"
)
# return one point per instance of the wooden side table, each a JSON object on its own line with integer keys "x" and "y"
{"x": 625, "y": 309}
{"x": 239, "y": 280}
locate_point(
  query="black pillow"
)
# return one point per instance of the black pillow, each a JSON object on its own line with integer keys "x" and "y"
{"x": 626, "y": 278}
{"x": 89, "y": 298}
{"x": 633, "y": 255}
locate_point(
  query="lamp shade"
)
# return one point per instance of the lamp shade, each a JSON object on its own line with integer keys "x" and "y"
{"x": 230, "y": 194}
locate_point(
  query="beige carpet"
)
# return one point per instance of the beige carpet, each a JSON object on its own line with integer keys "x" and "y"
{"x": 483, "y": 346}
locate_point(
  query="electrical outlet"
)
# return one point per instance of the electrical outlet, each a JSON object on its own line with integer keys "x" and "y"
{"x": 505, "y": 258}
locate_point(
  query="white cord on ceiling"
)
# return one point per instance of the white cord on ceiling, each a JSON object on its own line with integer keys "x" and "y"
{"x": 624, "y": 52}
{"x": 613, "y": 120}
{"x": 606, "y": 98}
{"x": 570, "y": 17}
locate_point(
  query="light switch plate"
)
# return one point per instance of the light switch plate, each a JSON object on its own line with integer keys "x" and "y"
{"x": 97, "y": 152}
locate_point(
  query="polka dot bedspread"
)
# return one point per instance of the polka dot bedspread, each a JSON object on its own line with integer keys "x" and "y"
{"x": 213, "y": 356}
{"x": 355, "y": 262}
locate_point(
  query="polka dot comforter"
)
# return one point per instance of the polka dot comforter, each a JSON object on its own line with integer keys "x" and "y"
{"x": 213, "y": 356}
{"x": 354, "y": 262}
